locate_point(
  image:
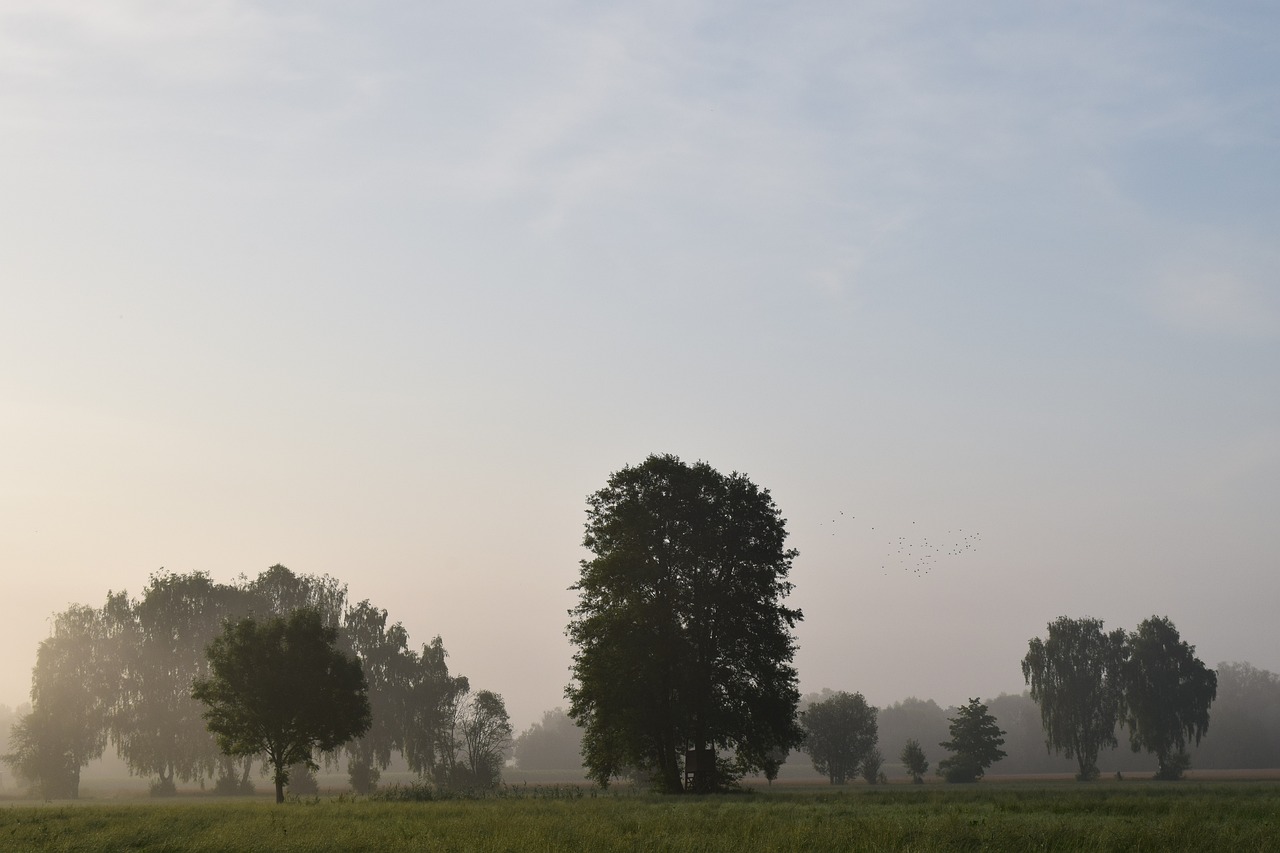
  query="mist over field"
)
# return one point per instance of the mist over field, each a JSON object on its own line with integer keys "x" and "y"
{"x": 984, "y": 296}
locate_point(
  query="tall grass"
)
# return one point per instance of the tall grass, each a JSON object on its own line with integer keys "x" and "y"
{"x": 1132, "y": 816}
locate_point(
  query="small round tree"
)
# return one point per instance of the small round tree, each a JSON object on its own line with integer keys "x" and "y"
{"x": 975, "y": 744}
{"x": 282, "y": 688}
{"x": 914, "y": 760}
{"x": 839, "y": 735}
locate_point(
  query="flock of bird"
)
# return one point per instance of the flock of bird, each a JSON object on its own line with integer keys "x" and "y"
{"x": 916, "y": 553}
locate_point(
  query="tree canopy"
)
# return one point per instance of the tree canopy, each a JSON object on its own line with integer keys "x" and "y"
{"x": 684, "y": 646}
{"x": 914, "y": 760}
{"x": 1077, "y": 677}
{"x": 839, "y": 735}
{"x": 280, "y": 687}
{"x": 1168, "y": 693}
{"x": 975, "y": 744}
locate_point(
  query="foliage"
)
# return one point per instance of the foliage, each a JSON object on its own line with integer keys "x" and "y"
{"x": 1076, "y": 676}
{"x": 914, "y": 760}
{"x": 683, "y": 642}
{"x": 481, "y": 733}
{"x": 839, "y": 734}
{"x": 1246, "y": 720}
{"x": 871, "y": 766}
{"x": 72, "y": 692}
{"x": 433, "y": 696}
{"x": 157, "y": 726}
{"x": 280, "y": 592}
{"x": 920, "y": 719}
{"x": 553, "y": 743}
{"x": 975, "y": 744}
{"x": 1168, "y": 692}
{"x": 280, "y": 687}
{"x": 389, "y": 668}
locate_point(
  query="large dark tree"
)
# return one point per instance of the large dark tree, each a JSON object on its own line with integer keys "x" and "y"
{"x": 1076, "y": 676}
{"x": 280, "y": 687}
{"x": 839, "y": 735}
{"x": 1168, "y": 692}
{"x": 684, "y": 646}
{"x": 975, "y": 744}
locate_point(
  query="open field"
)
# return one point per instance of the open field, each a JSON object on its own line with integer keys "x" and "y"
{"x": 1203, "y": 816}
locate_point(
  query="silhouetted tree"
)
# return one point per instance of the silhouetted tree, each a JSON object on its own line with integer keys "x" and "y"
{"x": 73, "y": 689}
{"x": 839, "y": 734}
{"x": 429, "y": 745}
{"x": 481, "y": 735}
{"x": 389, "y": 668}
{"x": 157, "y": 726}
{"x": 280, "y": 687}
{"x": 1076, "y": 676}
{"x": 683, "y": 642}
{"x": 553, "y": 743}
{"x": 870, "y": 767}
{"x": 914, "y": 761}
{"x": 1168, "y": 691}
{"x": 975, "y": 744}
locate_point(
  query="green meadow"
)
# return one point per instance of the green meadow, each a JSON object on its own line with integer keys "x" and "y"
{"x": 1021, "y": 816}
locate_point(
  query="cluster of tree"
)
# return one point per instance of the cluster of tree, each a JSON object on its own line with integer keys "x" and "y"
{"x": 841, "y": 737}
{"x": 1087, "y": 681}
{"x": 123, "y": 674}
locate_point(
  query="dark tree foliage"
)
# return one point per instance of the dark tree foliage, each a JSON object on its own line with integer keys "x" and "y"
{"x": 839, "y": 735}
{"x": 73, "y": 689}
{"x": 683, "y": 643}
{"x": 280, "y": 687}
{"x": 1168, "y": 692}
{"x": 1076, "y": 676}
{"x": 914, "y": 761}
{"x": 553, "y": 743}
{"x": 974, "y": 746}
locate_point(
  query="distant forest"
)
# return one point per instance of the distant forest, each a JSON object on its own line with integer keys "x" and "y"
{"x": 118, "y": 678}
{"x": 1244, "y": 734}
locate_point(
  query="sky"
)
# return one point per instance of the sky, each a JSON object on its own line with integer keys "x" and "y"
{"x": 985, "y": 294}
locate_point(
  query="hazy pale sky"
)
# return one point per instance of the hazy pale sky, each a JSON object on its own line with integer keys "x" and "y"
{"x": 384, "y": 290}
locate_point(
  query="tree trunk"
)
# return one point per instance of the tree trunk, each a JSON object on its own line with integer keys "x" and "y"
{"x": 281, "y": 771}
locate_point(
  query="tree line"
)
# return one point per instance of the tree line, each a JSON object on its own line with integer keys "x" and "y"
{"x": 123, "y": 675}
{"x": 1245, "y": 735}
{"x": 682, "y": 673}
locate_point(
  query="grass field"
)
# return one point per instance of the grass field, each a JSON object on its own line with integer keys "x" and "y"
{"x": 1022, "y": 816}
